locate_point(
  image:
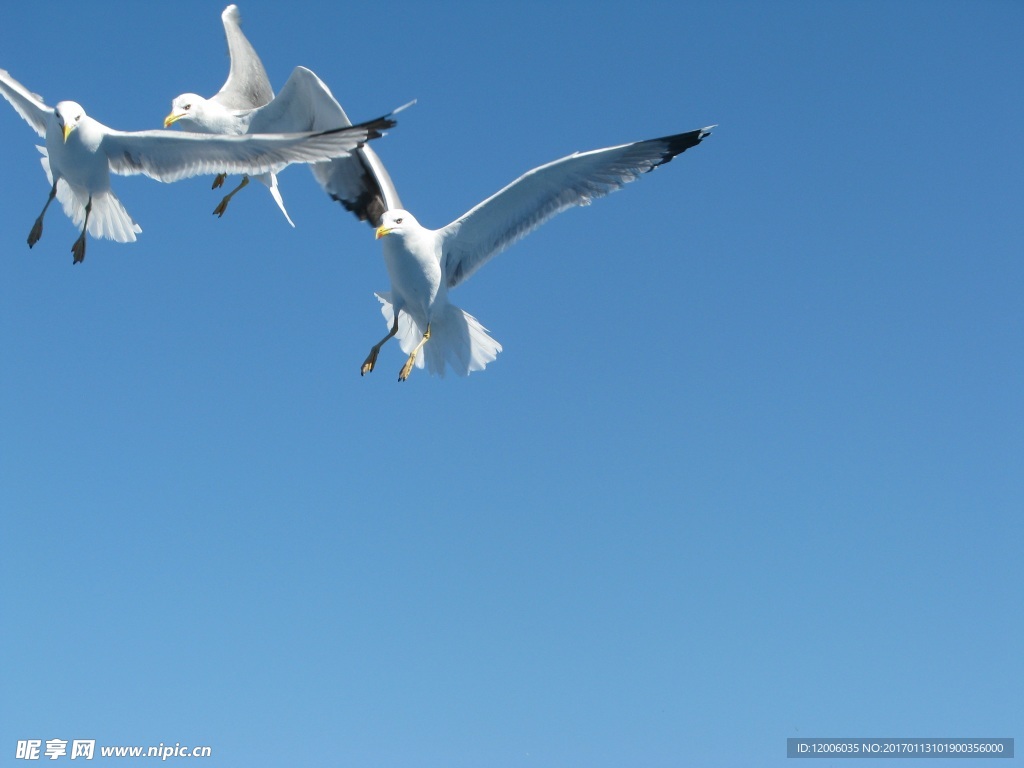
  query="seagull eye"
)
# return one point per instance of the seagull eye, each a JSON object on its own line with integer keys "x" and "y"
{"x": 187, "y": 107}
{"x": 398, "y": 221}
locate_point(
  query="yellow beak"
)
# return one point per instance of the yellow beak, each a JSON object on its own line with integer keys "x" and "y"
{"x": 381, "y": 231}
{"x": 68, "y": 128}
{"x": 172, "y": 118}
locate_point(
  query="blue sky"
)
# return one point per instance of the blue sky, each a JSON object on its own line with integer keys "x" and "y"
{"x": 750, "y": 467}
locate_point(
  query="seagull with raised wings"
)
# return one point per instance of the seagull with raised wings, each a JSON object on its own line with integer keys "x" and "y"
{"x": 424, "y": 264}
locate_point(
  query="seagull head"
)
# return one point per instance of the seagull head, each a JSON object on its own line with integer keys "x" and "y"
{"x": 69, "y": 115}
{"x": 395, "y": 222}
{"x": 188, "y": 106}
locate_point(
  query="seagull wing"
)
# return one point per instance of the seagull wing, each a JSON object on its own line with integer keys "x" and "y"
{"x": 358, "y": 181}
{"x": 247, "y": 86}
{"x": 167, "y": 156}
{"x": 538, "y": 195}
{"x": 361, "y": 183}
{"x": 27, "y": 104}
{"x": 305, "y": 103}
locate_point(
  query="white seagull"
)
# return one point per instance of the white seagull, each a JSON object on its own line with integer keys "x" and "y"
{"x": 424, "y": 264}
{"x": 246, "y": 88}
{"x": 246, "y": 104}
{"x": 81, "y": 153}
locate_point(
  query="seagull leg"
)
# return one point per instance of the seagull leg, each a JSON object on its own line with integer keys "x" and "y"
{"x": 78, "y": 249}
{"x": 37, "y": 228}
{"x": 371, "y": 359}
{"x": 219, "y": 180}
{"x": 219, "y": 210}
{"x": 407, "y": 368}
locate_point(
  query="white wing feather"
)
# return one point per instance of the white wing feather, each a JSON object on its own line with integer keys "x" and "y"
{"x": 27, "y": 104}
{"x": 167, "y": 156}
{"x": 305, "y": 103}
{"x": 538, "y": 195}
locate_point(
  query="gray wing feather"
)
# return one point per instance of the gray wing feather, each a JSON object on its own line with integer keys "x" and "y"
{"x": 247, "y": 86}
{"x": 537, "y": 196}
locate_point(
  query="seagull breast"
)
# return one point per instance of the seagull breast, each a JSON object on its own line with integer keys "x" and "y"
{"x": 414, "y": 266}
{"x": 78, "y": 159}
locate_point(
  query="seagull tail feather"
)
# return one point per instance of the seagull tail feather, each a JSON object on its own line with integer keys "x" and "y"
{"x": 457, "y": 340}
{"x": 270, "y": 179}
{"x": 107, "y": 219}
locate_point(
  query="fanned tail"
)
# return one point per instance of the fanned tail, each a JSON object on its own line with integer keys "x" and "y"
{"x": 456, "y": 339}
{"x": 107, "y": 219}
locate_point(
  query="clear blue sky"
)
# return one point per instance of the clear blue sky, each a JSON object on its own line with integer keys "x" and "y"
{"x": 751, "y": 465}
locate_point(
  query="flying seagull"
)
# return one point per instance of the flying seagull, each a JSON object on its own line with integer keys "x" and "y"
{"x": 81, "y": 153}
{"x": 246, "y": 88}
{"x": 424, "y": 264}
{"x": 246, "y": 104}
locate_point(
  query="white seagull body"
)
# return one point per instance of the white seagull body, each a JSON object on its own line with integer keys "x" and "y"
{"x": 424, "y": 264}
{"x": 81, "y": 153}
{"x": 246, "y": 104}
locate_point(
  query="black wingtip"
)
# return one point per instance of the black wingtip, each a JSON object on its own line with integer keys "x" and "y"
{"x": 377, "y": 126}
{"x": 678, "y": 143}
{"x": 374, "y": 128}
